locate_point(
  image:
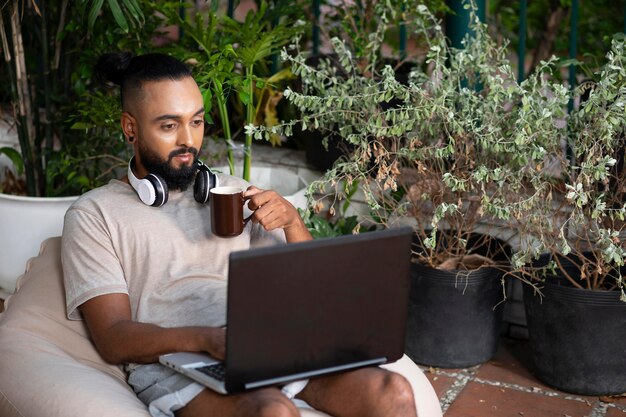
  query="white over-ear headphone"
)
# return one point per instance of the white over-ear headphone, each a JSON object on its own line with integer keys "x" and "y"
{"x": 152, "y": 190}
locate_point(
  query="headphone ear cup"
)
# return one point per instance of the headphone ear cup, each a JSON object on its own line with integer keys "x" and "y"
{"x": 160, "y": 189}
{"x": 202, "y": 186}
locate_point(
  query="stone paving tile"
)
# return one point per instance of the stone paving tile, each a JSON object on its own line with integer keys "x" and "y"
{"x": 480, "y": 400}
{"x": 441, "y": 383}
{"x": 615, "y": 412}
{"x": 512, "y": 364}
{"x": 618, "y": 400}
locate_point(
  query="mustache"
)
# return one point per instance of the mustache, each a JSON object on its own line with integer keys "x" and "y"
{"x": 182, "y": 151}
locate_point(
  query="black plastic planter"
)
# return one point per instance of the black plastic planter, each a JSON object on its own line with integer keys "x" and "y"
{"x": 454, "y": 316}
{"x": 577, "y": 337}
{"x": 318, "y": 156}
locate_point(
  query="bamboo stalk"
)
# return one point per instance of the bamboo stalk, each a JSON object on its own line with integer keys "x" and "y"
{"x": 47, "y": 79}
{"x": 223, "y": 111}
{"x": 247, "y": 157}
{"x": 57, "y": 39}
{"x": 5, "y": 41}
{"x": 21, "y": 97}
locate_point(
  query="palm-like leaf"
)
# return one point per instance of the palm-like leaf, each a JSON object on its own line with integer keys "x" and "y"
{"x": 126, "y": 14}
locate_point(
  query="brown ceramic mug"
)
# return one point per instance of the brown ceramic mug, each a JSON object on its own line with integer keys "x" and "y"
{"x": 227, "y": 211}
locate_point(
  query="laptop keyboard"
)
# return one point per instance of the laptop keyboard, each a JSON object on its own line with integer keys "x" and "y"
{"x": 216, "y": 371}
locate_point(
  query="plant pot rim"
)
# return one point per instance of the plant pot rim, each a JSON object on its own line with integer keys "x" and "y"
{"x": 501, "y": 257}
{"x": 459, "y": 276}
{"x": 35, "y": 199}
{"x": 569, "y": 293}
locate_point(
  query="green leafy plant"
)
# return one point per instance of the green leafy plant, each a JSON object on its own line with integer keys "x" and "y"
{"x": 333, "y": 222}
{"x": 321, "y": 227}
{"x": 585, "y": 219}
{"x": 233, "y": 52}
{"x": 449, "y": 150}
{"x": 463, "y": 146}
{"x": 127, "y": 14}
{"x": 44, "y": 47}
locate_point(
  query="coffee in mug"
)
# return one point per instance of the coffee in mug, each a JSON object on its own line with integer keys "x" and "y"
{"x": 227, "y": 211}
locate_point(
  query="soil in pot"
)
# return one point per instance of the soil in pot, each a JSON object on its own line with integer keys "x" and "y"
{"x": 577, "y": 335}
{"x": 455, "y": 315}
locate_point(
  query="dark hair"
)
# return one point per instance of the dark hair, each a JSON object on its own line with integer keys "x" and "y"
{"x": 129, "y": 72}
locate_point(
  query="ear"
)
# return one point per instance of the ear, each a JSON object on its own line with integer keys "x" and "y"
{"x": 129, "y": 125}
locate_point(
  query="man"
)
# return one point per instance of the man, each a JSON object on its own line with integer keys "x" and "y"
{"x": 151, "y": 280}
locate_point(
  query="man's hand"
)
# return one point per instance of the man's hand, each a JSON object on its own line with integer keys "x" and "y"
{"x": 216, "y": 342}
{"x": 272, "y": 212}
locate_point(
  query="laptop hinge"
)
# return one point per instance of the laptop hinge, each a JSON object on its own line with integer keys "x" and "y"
{"x": 309, "y": 374}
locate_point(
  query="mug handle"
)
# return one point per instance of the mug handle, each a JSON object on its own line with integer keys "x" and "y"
{"x": 247, "y": 219}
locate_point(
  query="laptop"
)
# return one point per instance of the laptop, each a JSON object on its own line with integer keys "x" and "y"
{"x": 306, "y": 309}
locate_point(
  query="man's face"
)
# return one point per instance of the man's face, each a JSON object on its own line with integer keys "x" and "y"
{"x": 169, "y": 122}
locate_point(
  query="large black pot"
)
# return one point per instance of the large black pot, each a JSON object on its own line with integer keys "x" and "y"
{"x": 318, "y": 155}
{"x": 455, "y": 316}
{"x": 577, "y": 337}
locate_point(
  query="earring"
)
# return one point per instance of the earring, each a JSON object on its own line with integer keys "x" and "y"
{"x": 131, "y": 139}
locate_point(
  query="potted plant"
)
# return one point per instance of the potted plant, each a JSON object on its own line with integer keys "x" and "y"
{"x": 354, "y": 23}
{"x": 448, "y": 152}
{"x": 577, "y": 321}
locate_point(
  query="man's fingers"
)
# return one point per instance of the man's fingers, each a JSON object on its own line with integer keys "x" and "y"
{"x": 271, "y": 222}
{"x": 261, "y": 198}
{"x": 252, "y": 190}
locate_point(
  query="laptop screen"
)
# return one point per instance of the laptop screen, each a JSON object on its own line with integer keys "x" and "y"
{"x": 314, "y": 305}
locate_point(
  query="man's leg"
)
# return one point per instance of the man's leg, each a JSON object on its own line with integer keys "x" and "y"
{"x": 268, "y": 402}
{"x": 367, "y": 392}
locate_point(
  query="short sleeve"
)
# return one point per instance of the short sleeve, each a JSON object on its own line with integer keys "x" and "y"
{"x": 90, "y": 265}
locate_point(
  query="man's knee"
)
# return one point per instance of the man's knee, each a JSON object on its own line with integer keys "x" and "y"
{"x": 269, "y": 405}
{"x": 393, "y": 388}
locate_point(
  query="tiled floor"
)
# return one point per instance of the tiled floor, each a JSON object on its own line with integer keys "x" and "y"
{"x": 505, "y": 386}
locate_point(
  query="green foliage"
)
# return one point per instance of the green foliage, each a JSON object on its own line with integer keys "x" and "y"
{"x": 335, "y": 222}
{"x": 93, "y": 149}
{"x": 460, "y": 138}
{"x": 463, "y": 144}
{"x": 591, "y": 224}
{"x": 126, "y": 14}
{"x": 232, "y": 53}
{"x": 358, "y": 23}
{"x": 15, "y": 158}
{"x": 321, "y": 227}
{"x": 598, "y": 20}
{"x": 96, "y": 151}
{"x": 52, "y": 73}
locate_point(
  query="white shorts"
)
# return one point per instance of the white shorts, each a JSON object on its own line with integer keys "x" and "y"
{"x": 165, "y": 391}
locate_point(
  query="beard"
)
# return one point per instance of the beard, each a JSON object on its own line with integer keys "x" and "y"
{"x": 175, "y": 178}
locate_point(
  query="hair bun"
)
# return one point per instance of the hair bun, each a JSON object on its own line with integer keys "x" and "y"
{"x": 112, "y": 66}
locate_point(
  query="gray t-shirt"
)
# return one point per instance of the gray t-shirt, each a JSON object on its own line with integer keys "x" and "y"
{"x": 166, "y": 259}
